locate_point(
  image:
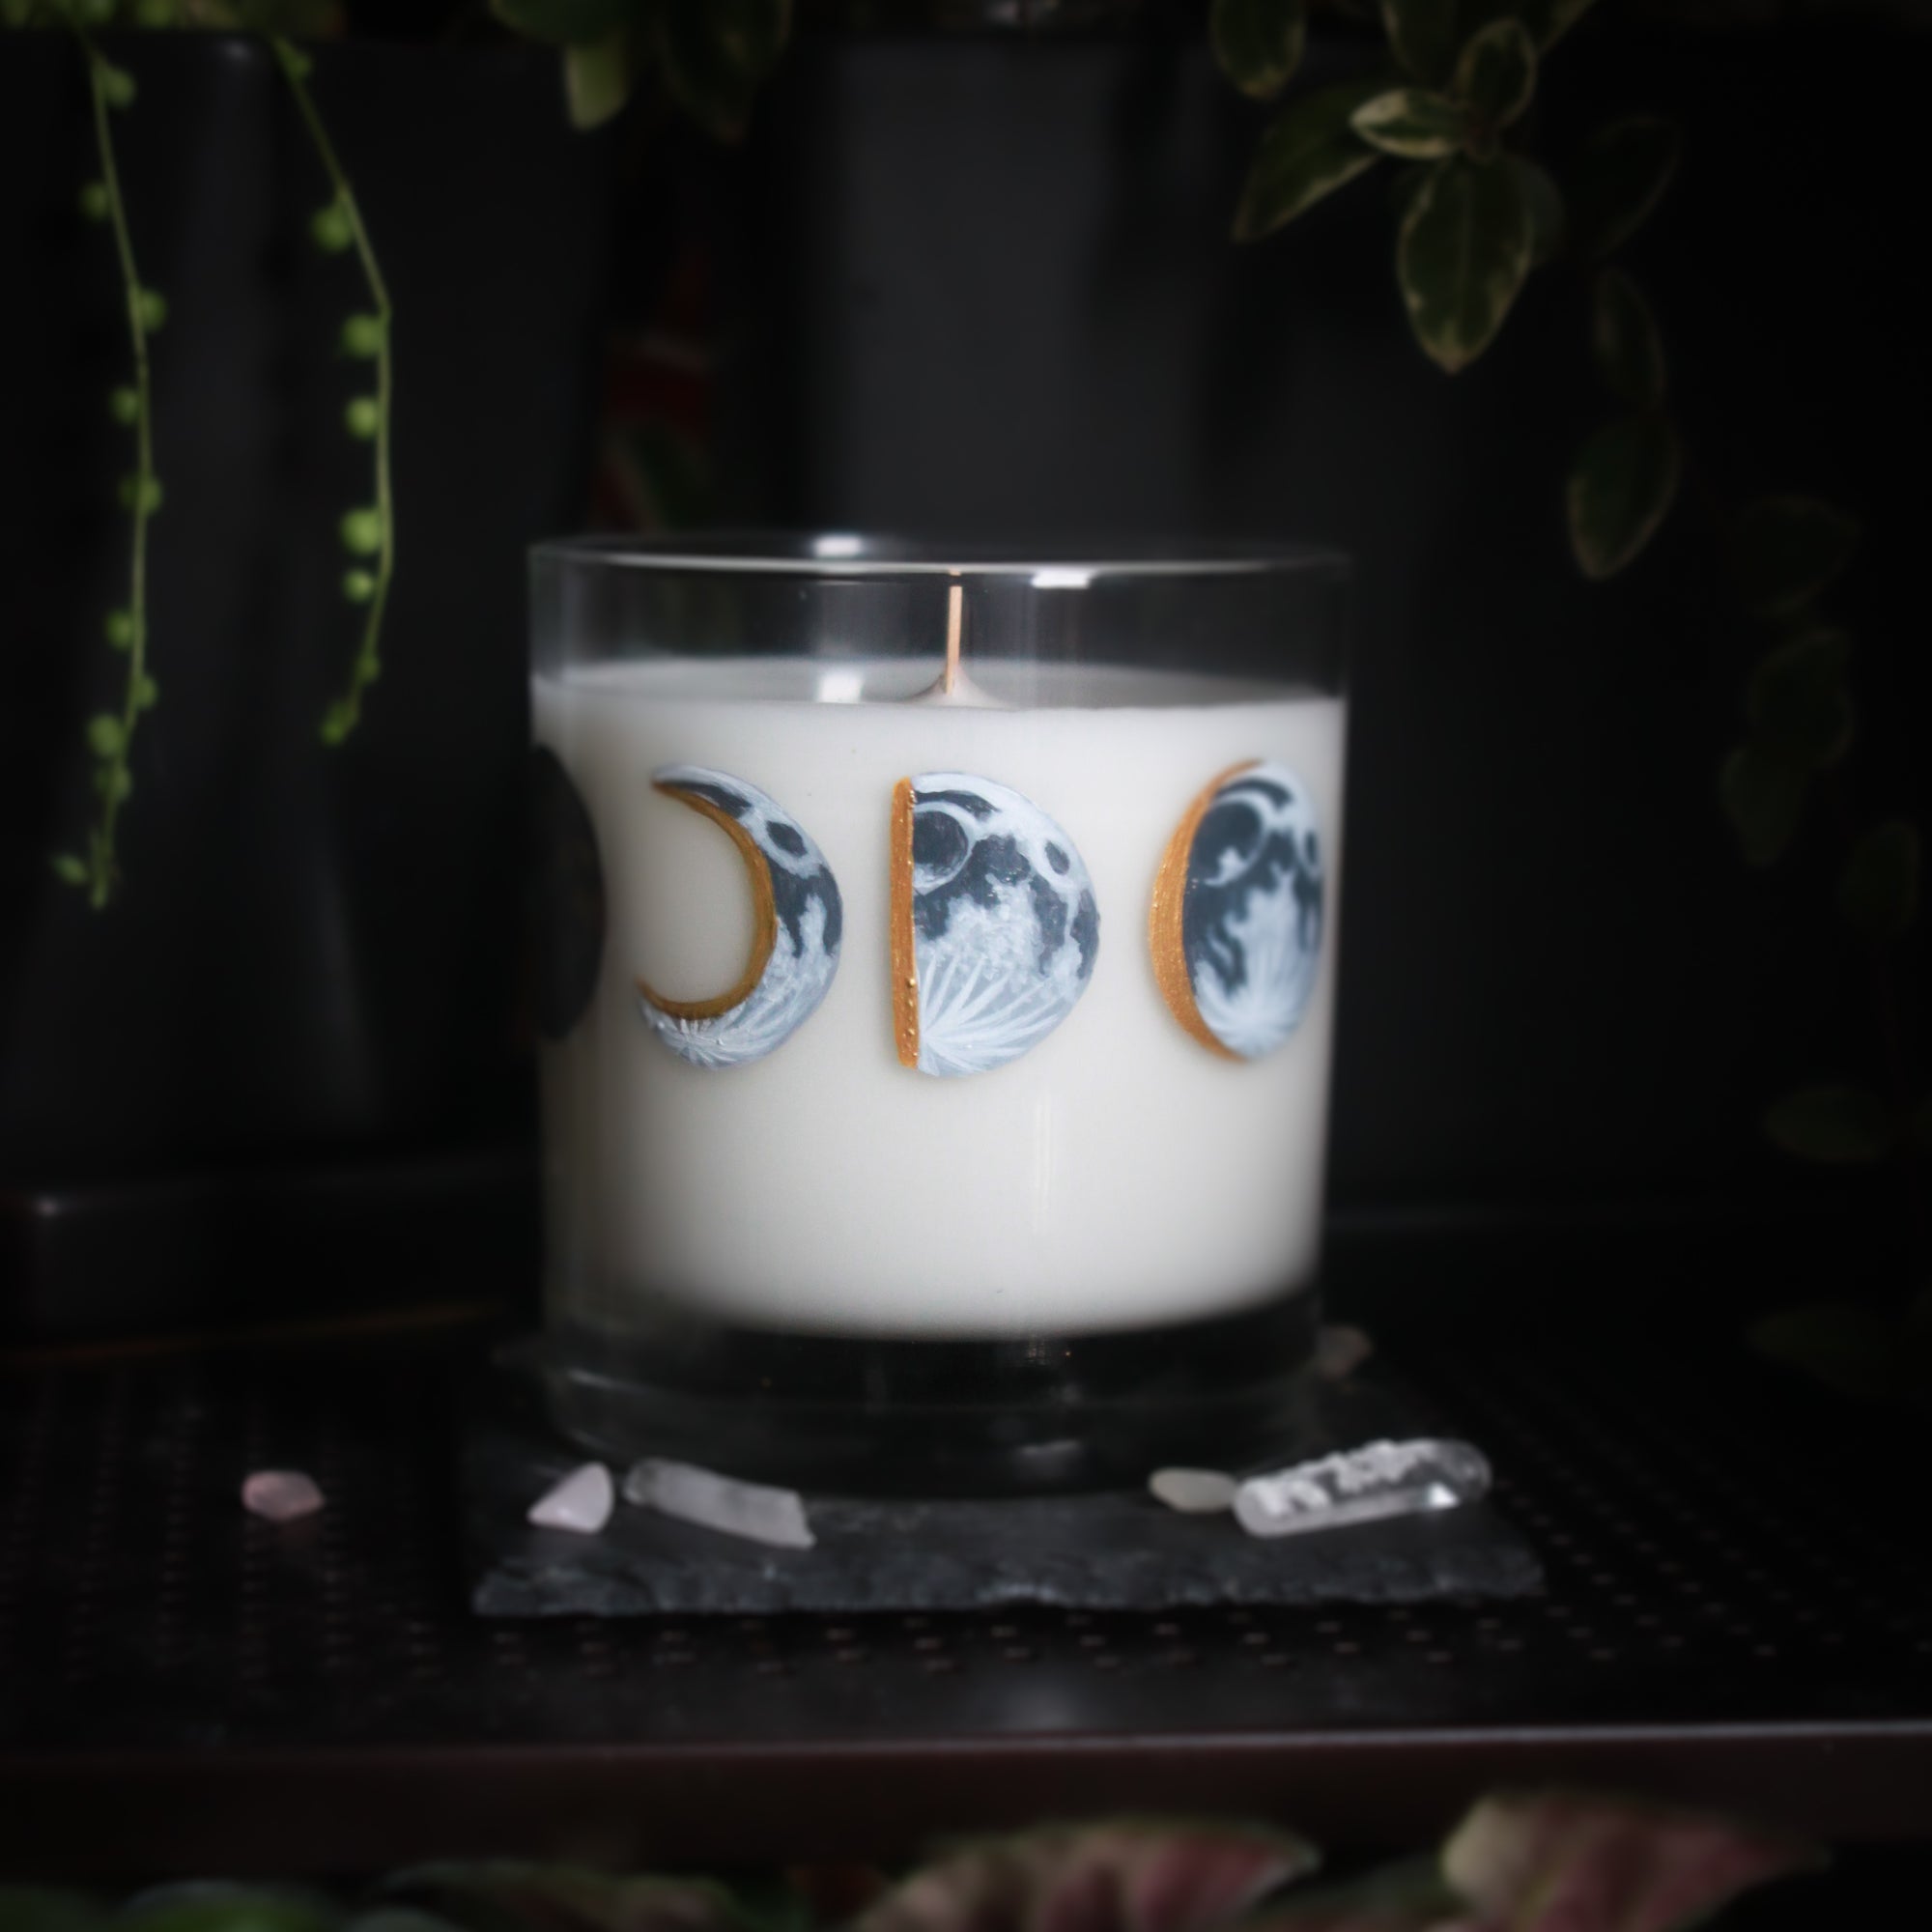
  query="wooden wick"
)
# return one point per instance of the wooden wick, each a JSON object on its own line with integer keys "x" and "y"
{"x": 955, "y": 614}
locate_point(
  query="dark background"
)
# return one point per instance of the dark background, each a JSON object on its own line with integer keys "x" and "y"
{"x": 955, "y": 282}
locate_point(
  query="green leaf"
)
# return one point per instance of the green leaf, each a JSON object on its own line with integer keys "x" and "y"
{"x": 1543, "y": 199}
{"x": 95, "y": 204}
{"x": 105, "y": 738}
{"x": 1878, "y": 889}
{"x": 1796, "y": 700}
{"x": 1857, "y": 1351}
{"x": 123, "y": 404}
{"x": 1536, "y": 1860}
{"x": 153, "y": 308}
{"x": 1548, "y": 20}
{"x": 597, "y": 79}
{"x": 362, "y": 531}
{"x": 1462, "y": 255}
{"x": 147, "y": 693}
{"x": 338, "y": 722}
{"x": 1621, "y": 487}
{"x": 117, "y": 86}
{"x": 120, "y": 628}
{"x": 1259, "y": 43}
{"x": 1495, "y": 72}
{"x": 213, "y": 1906}
{"x": 1621, "y": 175}
{"x": 1153, "y": 1875}
{"x": 716, "y": 53}
{"x": 1424, "y": 36}
{"x": 358, "y": 585}
{"x": 563, "y": 22}
{"x": 363, "y": 335}
{"x": 1839, "y": 1125}
{"x": 1412, "y": 123}
{"x": 32, "y": 1908}
{"x": 1763, "y": 796}
{"x": 1623, "y": 337}
{"x": 362, "y": 417}
{"x": 1785, "y": 550}
{"x": 1306, "y": 151}
{"x": 332, "y": 228}
{"x": 70, "y": 872}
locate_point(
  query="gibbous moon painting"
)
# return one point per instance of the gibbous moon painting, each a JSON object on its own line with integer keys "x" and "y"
{"x": 798, "y": 921}
{"x": 994, "y": 926}
{"x": 1235, "y": 926}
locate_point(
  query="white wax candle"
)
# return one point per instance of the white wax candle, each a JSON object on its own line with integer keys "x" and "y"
{"x": 1117, "y": 1175}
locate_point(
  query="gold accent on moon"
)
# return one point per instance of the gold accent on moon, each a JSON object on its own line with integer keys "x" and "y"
{"x": 905, "y": 961}
{"x": 1164, "y": 930}
{"x": 764, "y": 917}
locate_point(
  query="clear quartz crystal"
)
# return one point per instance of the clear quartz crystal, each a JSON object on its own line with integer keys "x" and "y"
{"x": 750, "y": 1510}
{"x": 1380, "y": 1479}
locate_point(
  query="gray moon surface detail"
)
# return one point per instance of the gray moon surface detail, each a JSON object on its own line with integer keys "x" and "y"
{"x": 1005, "y": 925}
{"x": 1252, "y": 915}
{"x": 810, "y": 929}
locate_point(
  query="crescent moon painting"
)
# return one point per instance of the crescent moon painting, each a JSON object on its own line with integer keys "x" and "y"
{"x": 798, "y": 921}
{"x": 994, "y": 924}
{"x": 1235, "y": 926}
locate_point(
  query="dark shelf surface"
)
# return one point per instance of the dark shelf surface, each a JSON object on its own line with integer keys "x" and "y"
{"x": 1738, "y": 1611}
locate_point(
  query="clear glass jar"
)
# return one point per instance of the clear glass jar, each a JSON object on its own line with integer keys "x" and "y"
{"x": 937, "y": 1000}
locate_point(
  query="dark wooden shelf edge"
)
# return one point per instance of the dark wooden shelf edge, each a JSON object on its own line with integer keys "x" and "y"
{"x": 319, "y": 1812}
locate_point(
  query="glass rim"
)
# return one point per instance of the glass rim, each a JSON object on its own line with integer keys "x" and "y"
{"x": 829, "y": 556}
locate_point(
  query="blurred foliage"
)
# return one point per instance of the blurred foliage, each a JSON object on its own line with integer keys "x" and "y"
{"x": 1520, "y": 1861}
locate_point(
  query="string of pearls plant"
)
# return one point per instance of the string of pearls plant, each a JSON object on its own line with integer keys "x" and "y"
{"x": 110, "y": 734}
{"x": 368, "y": 532}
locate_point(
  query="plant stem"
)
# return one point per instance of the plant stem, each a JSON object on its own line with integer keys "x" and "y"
{"x": 368, "y": 664}
{"x": 112, "y": 775}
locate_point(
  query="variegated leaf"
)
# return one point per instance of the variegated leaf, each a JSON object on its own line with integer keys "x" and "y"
{"x": 1424, "y": 36}
{"x": 1411, "y": 122}
{"x": 1259, "y": 43}
{"x": 1621, "y": 487}
{"x": 1785, "y": 550}
{"x": 1619, "y": 177}
{"x": 1306, "y": 151}
{"x": 1549, "y": 221}
{"x": 1496, "y": 73}
{"x": 1796, "y": 700}
{"x": 1623, "y": 337}
{"x": 1763, "y": 796}
{"x": 1548, "y": 20}
{"x": 597, "y": 79}
{"x": 1130, "y": 1876}
{"x": 1462, "y": 254}
{"x": 1878, "y": 889}
{"x": 1536, "y": 1860}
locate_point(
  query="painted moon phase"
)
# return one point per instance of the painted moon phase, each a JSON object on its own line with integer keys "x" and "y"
{"x": 1236, "y": 926}
{"x": 994, "y": 926}
{"x": 798, "y": 921}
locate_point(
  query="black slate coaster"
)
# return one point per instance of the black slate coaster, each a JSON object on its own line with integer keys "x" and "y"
{"x": 1113, "y": 1551}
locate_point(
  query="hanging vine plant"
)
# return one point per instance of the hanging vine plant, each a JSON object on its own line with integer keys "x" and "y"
{"x": 710, "y": 60}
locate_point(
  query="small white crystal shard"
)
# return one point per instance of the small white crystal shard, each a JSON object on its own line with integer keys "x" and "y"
{"x": 281, "y": 1496}
{"x": 582, "y": 1503}
{"x": 1193, "y": 1491}
{"x": 750, "y": 1510}
{"x": 1380, "y": 1479}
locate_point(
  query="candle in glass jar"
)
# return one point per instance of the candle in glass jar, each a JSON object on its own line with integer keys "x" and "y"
{"x": 1124, "y": 1170}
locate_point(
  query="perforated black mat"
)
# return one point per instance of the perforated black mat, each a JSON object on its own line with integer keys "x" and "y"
{"x": 218, "y": 1681}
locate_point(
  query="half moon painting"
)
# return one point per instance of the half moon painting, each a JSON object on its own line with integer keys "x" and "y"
{"x": 1235, "y": 924}
{"x": 798, "y": 922}
{"x": 994, "y": 926}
